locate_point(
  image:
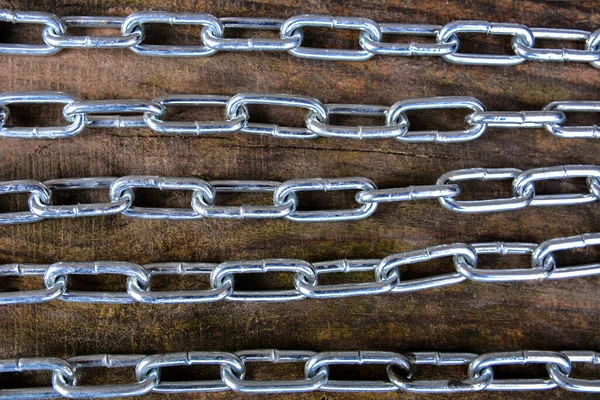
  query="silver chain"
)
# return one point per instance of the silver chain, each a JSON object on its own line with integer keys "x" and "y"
{"x": 400, "y": 372}
{"x": 152, "y": 114}
{"x": 387, "y": 276}
{"x": 285, "y": 200}
{"x": 445, "y": 41}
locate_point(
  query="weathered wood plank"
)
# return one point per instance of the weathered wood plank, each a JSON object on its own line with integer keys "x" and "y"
{"x": 468, "y": 317}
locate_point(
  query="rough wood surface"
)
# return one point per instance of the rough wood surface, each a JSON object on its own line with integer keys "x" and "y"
{"x": 468, "y": 317}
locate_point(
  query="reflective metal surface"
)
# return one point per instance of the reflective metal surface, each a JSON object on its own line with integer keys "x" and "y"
{"x": 399, "y": 368}
{"x": 444, "y": 43}
{"x": 153, "y": 114}
{"x": 304, "y": 283}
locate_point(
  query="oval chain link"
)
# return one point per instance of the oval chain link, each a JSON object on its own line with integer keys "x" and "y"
{"x": 66, "y": 41}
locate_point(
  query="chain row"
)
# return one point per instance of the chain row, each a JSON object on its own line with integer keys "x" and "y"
{"x": 153, "y": 114}
{"x": 285, "y": 195}
{"x": 399, "y": 372}
{"x": 445, "y": 43}
{"x": 387, "y": 276}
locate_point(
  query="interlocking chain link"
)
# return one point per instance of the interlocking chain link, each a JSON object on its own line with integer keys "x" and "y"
{"x": 204, "y": 194}
{"x": 400, "y": 370}
{"x": 305, "y": 281}
{"x": 152, "y": 114}
{"x": 445, "y": 41}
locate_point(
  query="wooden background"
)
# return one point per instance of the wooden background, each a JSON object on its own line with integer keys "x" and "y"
{"x": 467, "y": 317}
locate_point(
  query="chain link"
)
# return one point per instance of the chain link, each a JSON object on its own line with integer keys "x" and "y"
{"x": 399, "y": 371}
{"x": 70, "y": 389}
{"x": 291, "y": 37}
{"x": 138, "y": 20}
{"x": 488, "y": 361}
{"x": 78, "y": 122}
{"x": 520, "y": 33}
{"x": 152, "y": 114}
{"x": 66, "y": 41}
{"x": 408, "y": 384}
{"x": 285, "y": 201}
{"x": 387, "y": 277}
{"x": 52, "y": 22}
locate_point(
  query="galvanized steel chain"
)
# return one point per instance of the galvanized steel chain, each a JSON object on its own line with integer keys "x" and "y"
{"x": 400, "y": 370}
{"x": 41, "y": 204}
{"x": 444, "y": 41}
{"x": 152, "y": 114}
{"x": 387, "y": 276}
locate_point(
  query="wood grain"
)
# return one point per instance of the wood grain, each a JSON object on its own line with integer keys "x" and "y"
{"x": 468, "y": 317}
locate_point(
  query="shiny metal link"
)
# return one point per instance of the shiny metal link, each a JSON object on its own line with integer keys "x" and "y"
{"x": 519, "y": 200}
{"x": 77, "y": 122}
{"x": 285, "y": 195}
{"x": 523, "y": 183}
{"x": 449, "y": 31}
{"x": 239, "y": 384}
{"x": 60, "y": 272}
{"x": 317, "y": 291}
{"x": 485, "y": 361}
{"x": 321, "y": 361}
{"x": 576, "y": 384}
{"x": 543, "y": 256}
{"x": 220, "y": 43}
{"x": 45, "y": 209}
{"x": 295, "y": 25}
{"x": 208, "y": 209}
{"x": 212, "y": 37}
{"x": 123, "y": 188}
{"x": 469, "y": 271}
{"x": 61, "y": 384}
{"x": 33, "y": 187}
{"x": 558, "y": 129}
{"x": 228, "y": 270}
{"x": 198, "y": 128}
{"x": 397, "y": 115}
{"x": 51, "y": 21}
{"x": 386, "y": 275}
{"x": 236, "y": 108}
{"x": 18, "y": 365}
{"x": 289, "y": 189}
{"x": 355, "y": 132}
{"x": 563, "y": 54}
{"x": 408, "y": 49}
{"x": 101, "y": 113}
{"x": 152, "y": 114}
{"x": 408, "y": 384}
{"x": 152, "y": 366}
{"x": 147, "y": 295}
{"x": 392, "y": 262}
{"x": 136, "y": 21}
{"x": 29, "y": 296}
{"x": 65, "y": 41}
{"x": 400, "y": 371}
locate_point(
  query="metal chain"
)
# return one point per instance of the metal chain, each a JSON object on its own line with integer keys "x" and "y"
{"x": 41, "y": 204}
{"x": 445, "y": 43}
{"x": 152, "y": 114}
{"x": 400, "y": 370}
{"x": 387, "y": 276}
